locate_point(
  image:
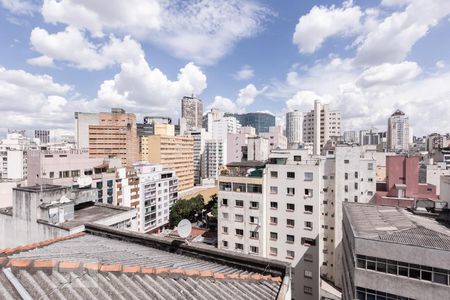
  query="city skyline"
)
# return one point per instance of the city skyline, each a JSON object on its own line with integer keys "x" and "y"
{"x": 147, "y": 67}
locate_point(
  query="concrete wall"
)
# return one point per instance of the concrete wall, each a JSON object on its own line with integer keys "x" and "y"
{"x": 445, "y": 189}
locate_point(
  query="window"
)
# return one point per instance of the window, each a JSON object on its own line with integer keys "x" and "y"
{"x": 225, "y": 244}
{"x": 225, "y": 186}
{"x": 52, "y": 175}
{"x": 254, "y": 249}
{"x": 273, "y": 236}
{"x": 254, "y": 220}
{"x": 308, "y": 193}
{"x": 290, "y": 191}
{"x": 370, "y": 166}
{"x": 356, "y": 185}
{"x": 290, "y": 254}
{"x": 224, "y": 202}
{"x": 356, "y": 174}
{"x": 274, "y": 190}
{"x": 239, "y": 187}
{"x": 355, "y": 198}
{"x": 239, "y": 218}
{"x": 254, "y": 235}
{"x": 273, "y": 205}
{"x": 239, "y": 246}
{"x": 308, "y": 257}
{"x": 273, "y": 251}
{"x": 290, "y": 223}
{"x": 346, "y": 161}
{"x": 346, "y": 176}
{"x": 297, "y": 158}
{"x": 308, "y": 225}
{"x": 308, "y": 241}
{"x": 370, "y": 179}
{"x": 290, "y": 239}
{"x": 308, "y": 209}
{"x": 239, "y": 203}
{"x": 308, "y": 274}
{"x": 254, "y": 205}
{"x": 254, "y": 188}
{"x": 225, "y": 230}
{"x": 346, "y": 188}
{"x": 273, "y": 174}
{"x": 309, "y": 176}
{"x": 273, "y": 220}
{"x": 225, "y": 215}
{"x": 239, "y": 232}
{"x": 290, "y": 206}
{"x": 290, "y": 175}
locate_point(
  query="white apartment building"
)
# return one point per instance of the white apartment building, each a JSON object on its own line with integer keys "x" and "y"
{"x": 320, "y": 124}
{"x": 150, "y": 189}
{"x": 350, "y": 176}
{"x": 219, "y": 130}
{"x": 257, "y": 148}
{"x": 434, "y": 173}
{"x": 199, "y": 137}
{"x": 212, "y": 159}
{"x": 82, "y": 122}
{"x": 275, "y": 213}
{"x": 294, "y": 127}
{"x": 398, "y": 134}
{"x": 276, "y": 138}
{"x": 236, "y": 142}
{"x": 65, "y": 167}
{"x": 13, "y": 164}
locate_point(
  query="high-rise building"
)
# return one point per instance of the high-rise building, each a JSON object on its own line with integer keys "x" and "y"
{"x": 391, "y": 253}
{"x": 276, "y": 138}
{"x": 369, "y": 137}
{"x": 212, "y": 159}
{"x": 150, "y": 189}
{"x": 294, "y": 127}
{"x": 236, "y": 142}
{"x": 192, "y": 112}
{"x": 351, "y": 137}
{"x": 209, "y": 118}
{"x": 260, "y": 121}
{"x": 398, "y": 135}
{"x": 319, "y": 125}
{"x": 199, "y": 137}
{"x": 43, "y": 136}
{"x": 257, "y": 148}
{"x": 174, "y": 153}
{"x": 108, "y": 134}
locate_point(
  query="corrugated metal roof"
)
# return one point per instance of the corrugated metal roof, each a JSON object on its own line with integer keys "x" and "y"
{"x": 419, "y": 237}
{"x": 110, "y": 285}
{"x": 90, "y": 248}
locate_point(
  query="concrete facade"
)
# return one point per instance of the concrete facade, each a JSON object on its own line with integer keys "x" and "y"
{"x": 174, "y": 153}
{"x": 398, "y": 135}
{"x": 82, "y": 123}
{"x": 294, "y": 127}
{"x": 236, "y": 142}
{"x": 434, "y": 173}
{"x": 192, "y": 113}
{"x": 212, "y": 159}
{"x": 276, "y": 138}
{"x": 394, "y": 253}
{"x": 257, "y": 148}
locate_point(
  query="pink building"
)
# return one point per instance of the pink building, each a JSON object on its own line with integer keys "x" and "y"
{"x": 235, "y": 142}
{"x": 402, "y": 183}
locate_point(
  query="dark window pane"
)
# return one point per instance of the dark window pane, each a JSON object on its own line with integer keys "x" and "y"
{"x": 440, "y": 278}
{"x": 414, "y": 273}
{"x": 392, "y": 269}
{"x": 360, "y": 295}
{"x": 426, "y": 275}
{"x": 402, "y": 271}
{"x": 371, "y": 265}
{"x": 381, "y": 267}
{"x": 361, "y": 263}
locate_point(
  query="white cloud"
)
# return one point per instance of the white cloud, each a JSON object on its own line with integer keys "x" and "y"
{"x": 199, "y": 30}
{"x": 440, "y": 64}
{"x": 19, "y": 7}
{"x": 60, "y": 46}
{"x": 41, "y": 61}
{"x": 245, "y": 98}
{"x": 392, "y": 39}
{"x": 322, "y": 22}
{"x": 304, "y": 100}
{"x": 246, "y": 72}
{"x": 389, "y": 74}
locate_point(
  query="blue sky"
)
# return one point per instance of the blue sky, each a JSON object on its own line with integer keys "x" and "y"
{"x": 365, "y": 58}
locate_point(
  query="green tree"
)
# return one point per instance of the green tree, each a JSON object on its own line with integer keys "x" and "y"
{"x": 190, "y": 209}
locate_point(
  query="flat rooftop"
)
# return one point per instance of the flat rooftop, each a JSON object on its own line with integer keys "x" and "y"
{"x": 37, "y": 188}
{"x": 92, "y": 214}
{"x": 396, "y": 225}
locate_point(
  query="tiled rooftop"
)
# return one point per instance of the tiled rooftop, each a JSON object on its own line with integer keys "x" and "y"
{"x": 397, "y": 225}
{"x": 90, "y": 266}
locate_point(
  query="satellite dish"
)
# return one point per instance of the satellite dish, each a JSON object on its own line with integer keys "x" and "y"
{"x": 184, "y": 228}
{"x": 84, "y": 181}
{"x": 64, "y": 199}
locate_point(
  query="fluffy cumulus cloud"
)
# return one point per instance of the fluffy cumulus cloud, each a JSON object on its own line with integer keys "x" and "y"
{"x": 389, "y": 74}
{"x": 245, "y": 98}
{"x": 19, "y": 7}
{"x": 246, "y": 72}
{"x": 199, "y": 30}
{"x": 323, "y": 22}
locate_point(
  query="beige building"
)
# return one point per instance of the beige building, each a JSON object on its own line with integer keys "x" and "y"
{"x": 172, "y": 152}
{"x": 115, "y": 135}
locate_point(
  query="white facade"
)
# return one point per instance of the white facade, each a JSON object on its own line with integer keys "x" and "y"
{"x": 219, "y": 130}
{"x": 294, "y": 127}
{"x": 212, "y": 159}
{"x": 13, "y": 164}
{"x": 398, "y": 134}
{"x": 434, "y": 173}
{"x": 320, "y": 124}
{"x": 276, "y": 138}
{"x": 258, "y": 148}
{"x": 199, "y": 136}
{"x": 445, "y": 189}
{"x": 151, "y": 190}
{"x": 82, "y": 122}
{"x": 235, "y": 142}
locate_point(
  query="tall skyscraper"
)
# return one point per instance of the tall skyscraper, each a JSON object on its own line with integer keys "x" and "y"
{"x": 398, "y": 131}
{"x": 192, "y": 112}
{"x": 294, "y": 127}
{"x": 320, "y": 124}
{"x": 108, "y": 134}
{"x": 43, "y": 136}
{"x": 258, "y": 120}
